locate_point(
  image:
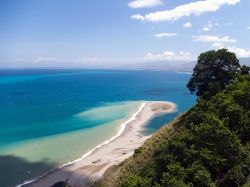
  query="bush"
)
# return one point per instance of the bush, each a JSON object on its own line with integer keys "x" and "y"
{"x": 136, "y": 181}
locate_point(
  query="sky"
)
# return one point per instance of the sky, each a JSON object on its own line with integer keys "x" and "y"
{"x": 119, "y": 33}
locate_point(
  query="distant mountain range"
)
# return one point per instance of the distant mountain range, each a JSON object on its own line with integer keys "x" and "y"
{"x": 157, "y": 65}
{"x": 184, "y": 66}
{"x": 172, "y": 66}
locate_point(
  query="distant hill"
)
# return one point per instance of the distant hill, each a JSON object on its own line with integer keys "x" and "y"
{"x": 175, "y": 66}
{"x": 186, "y": 66}
{"x": 190, "y": 65}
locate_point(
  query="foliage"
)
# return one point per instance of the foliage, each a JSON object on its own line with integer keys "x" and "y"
{"x": 136, "y": 181}
{"x": 214, "y": 70}
{"x": 213, "y": 148}
{"x": 244, "y": 70}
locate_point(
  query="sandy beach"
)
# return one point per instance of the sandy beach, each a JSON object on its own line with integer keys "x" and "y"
{"x": 86, "y": 171}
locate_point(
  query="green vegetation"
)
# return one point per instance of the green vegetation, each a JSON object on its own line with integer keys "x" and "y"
{"x": 244, "y": 70}
{"x": 214, "y": 70}
{"x": 207, "y": 146}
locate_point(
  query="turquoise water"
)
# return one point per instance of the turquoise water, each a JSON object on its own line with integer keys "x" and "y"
{"x": 48, "y": 117}
{"x": 157, "y": 122}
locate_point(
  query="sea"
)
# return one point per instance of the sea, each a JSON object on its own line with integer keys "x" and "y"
{"x": 50, "y": 117}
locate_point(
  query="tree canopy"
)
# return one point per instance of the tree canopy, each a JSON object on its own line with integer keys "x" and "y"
{"x": 244, "y": 70}
{"x": 214, "y": 70}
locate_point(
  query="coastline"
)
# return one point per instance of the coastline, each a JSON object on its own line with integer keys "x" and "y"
{"x": 89, "y": 168}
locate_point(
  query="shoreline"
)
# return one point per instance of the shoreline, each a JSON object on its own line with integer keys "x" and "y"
{"x": 90, "y": 167}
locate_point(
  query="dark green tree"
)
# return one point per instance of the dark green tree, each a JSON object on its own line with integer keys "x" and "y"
{"x": 199, "y": 176}
{"x": 244, "y": 70}
{"x": 214, "y": 70}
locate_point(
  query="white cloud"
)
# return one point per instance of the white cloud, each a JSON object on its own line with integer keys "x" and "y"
{"x": 213, "y": 39}
{"x": 206, "y": 29}
{"x": 218, "y": 45}
{"x": 187, "y": 25}
{"x": 149, "y": 57}
{"x": 137, "y": 17}
{"x": 248, "y": 28}
{"x": 165, "y": 35}
{"x": 194, "y": 8}
{"x": 240, "y": 52}
{"x": 46, "y": 59}
{"x": 210, "y": 25}
{"x": 144, "y": 3}
{"x": 103, "y": 61}
{"x": 169, "y": 56}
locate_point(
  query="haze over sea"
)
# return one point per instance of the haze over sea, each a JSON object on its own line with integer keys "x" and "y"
{"x": 51, "y": 117}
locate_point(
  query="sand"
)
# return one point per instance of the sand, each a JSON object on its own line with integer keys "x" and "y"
{"x": 85, "y": 172}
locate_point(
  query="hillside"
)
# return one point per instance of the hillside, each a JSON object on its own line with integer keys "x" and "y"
{"x": 142, "y": 156}
{"x": 207, "y": 146}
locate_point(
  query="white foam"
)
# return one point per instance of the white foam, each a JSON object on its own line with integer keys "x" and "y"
{"x": 121, "y": 130}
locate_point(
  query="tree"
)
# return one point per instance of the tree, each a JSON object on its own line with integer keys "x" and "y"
{"x": 214, "y": 70}
{"x": 199, "y": 176}
{"x": 244, "y": 70}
